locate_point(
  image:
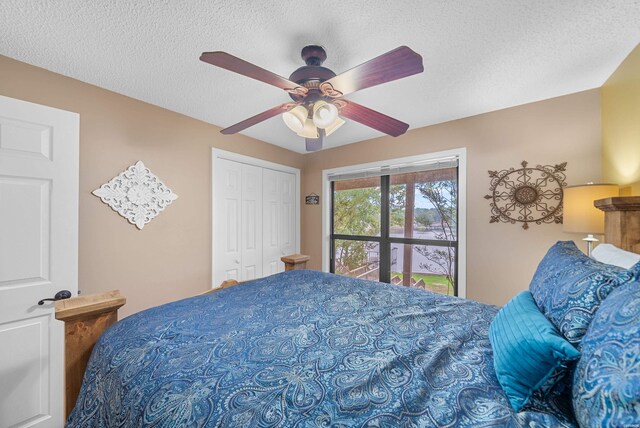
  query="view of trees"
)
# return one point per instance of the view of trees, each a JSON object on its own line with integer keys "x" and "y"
{"x": 443, "y": 195}
{"x": 397, "y": 196}
{"x": 357, "y": 212}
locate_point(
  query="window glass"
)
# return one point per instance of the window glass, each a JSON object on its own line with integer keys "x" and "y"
{"x": 424, "y": 205}
{"x": 429, "y": 267}
{"x": 418, "y": 248}
{"x": 358, "y": 259}
{"x": 356, "y": 207}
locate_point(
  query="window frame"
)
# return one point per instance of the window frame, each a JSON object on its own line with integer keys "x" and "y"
{"x": 384, "y": 239}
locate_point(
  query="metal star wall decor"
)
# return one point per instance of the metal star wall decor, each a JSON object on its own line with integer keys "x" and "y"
{"x": 527, "y": 195}
{"x": 136, "y": 194}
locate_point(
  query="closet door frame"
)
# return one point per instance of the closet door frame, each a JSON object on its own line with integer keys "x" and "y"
{"x": 217, "y": 154}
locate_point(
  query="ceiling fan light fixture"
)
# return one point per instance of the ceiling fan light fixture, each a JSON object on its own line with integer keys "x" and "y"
{"x": 335, "y": 125}
{"x": 324, "y": 114}
{"x": 309, "y": 130}
{"x": 295, "y": 118}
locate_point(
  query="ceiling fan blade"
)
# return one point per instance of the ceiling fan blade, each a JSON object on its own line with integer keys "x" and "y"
{"x": 314, "y": 144}
{"x": 372, "y": 118}
{"x": 393, "y": 65}
{"x": 240, "y": 66}
{"x": 258, "y": 118}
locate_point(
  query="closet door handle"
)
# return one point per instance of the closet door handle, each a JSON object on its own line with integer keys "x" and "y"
{"x": 237, "y": 261}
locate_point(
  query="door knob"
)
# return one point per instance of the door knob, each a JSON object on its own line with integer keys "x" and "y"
{"x": 237, "y": 261}
{"x": 60, "y": 295}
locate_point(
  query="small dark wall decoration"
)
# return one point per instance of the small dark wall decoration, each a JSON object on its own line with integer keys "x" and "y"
{"x": 312, "y": 199}
{"x": 527, "y": 195}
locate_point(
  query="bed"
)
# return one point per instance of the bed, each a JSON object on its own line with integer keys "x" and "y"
{"x": 310, "y": 349}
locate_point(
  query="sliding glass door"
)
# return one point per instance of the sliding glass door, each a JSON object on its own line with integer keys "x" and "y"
{"x": 399, "y": 228}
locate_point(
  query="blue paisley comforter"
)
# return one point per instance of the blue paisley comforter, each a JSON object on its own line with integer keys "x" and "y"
{"x": 301, "y": 349}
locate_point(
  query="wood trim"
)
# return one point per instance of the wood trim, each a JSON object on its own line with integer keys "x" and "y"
{"x": 93, "y": 304}
{"x": 621, "y": 221}
{"x": 618, "y": 203}
{"x": 85, "y": 318}
{"x": 295, "y": 262}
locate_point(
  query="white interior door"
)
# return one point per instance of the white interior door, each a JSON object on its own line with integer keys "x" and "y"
{"x": 279, "y": 221}
{"x": 271, "y": 210}
{"x": 227, "y": 178}
{"x": 255, "y": 216}
{"x": 251, "y": 229}
{"x": 38, "y": 257}
{"x": 287, "y": 185}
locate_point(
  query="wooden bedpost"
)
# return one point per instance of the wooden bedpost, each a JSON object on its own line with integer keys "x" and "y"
{"x": 85, "y": 318}
{"x": 621, "y": 221}
{"x": 295, "y": 262}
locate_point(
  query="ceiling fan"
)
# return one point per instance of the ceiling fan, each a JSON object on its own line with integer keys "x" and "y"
{"x": 317, "y": 92}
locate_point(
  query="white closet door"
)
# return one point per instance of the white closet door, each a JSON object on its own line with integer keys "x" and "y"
{"x": 227, "y": 212}
{"x": 254, "y": 217}
{"x": 251, "y": 229}
{"x": 287, "y": 184}
{"x": 271, "y": 207}
{"x": 279, "y": 219}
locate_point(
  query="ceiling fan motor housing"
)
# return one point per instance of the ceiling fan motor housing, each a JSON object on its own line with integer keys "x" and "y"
{"x": 311, "y": 75}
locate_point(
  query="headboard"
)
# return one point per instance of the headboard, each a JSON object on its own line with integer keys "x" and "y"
{"x": 621, "y": 221}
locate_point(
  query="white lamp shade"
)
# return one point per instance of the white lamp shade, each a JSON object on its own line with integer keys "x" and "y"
{"x": 579, "y": 213}
{"x": 335, "y": 125}
{"x": 309, "y": 130}
{"x": 324, "y": 114}
{"x": 295, "y": 118}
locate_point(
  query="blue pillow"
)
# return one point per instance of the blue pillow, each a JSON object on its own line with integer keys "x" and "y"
{"x": 561, "y": 255}
{"x": 606, "y": 381}
{"x": 529, "y": 354}
{"x": 569, "y": 286}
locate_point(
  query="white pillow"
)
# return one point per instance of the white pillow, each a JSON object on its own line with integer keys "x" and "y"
{"x": 612, "y": 255}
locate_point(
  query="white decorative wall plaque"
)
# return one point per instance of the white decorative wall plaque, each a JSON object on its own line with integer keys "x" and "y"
{"x": 136, "y": 194}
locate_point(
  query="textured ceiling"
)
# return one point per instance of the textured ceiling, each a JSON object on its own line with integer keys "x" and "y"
{"x": 479, "y": 56}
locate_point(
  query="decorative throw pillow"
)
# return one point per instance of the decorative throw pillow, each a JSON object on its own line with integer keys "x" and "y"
{"x": 561, "y": 255}
{"x": 569, "y": 286}
{"x": 529, "y": 355}
{"x": 606, "y": 381}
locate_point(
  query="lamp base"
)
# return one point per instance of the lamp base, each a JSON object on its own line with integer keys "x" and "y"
{"x": 590, "y": 240}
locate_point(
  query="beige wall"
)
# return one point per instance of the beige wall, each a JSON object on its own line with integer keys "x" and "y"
{"x": 171, "y": 257}
{"x": 501, "y": 258}
{"x": 621, "y": 125}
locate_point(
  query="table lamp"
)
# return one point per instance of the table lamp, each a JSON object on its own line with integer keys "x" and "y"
{"x": 579, "y": 213}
